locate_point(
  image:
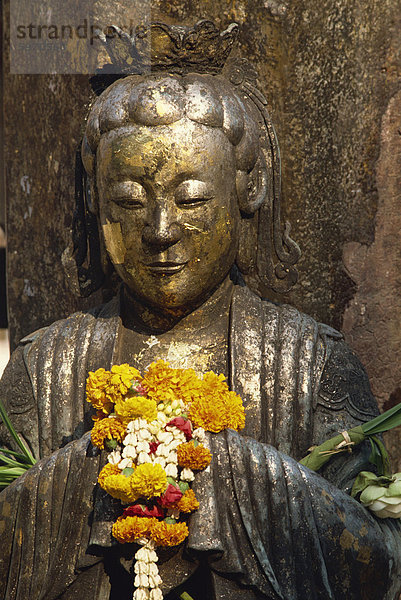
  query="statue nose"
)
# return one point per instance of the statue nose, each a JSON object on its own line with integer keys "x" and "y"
{"x": 162, "y": 232}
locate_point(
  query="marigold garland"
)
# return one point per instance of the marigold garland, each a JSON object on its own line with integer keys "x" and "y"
{"x": 188, "y": 503}
{"x": 107, "y": 429}
{"x": 148, "y": 481}
{"x": 106, "y": 472}
{"x": 193, "y": 457}
{"x": 156, "y": 426}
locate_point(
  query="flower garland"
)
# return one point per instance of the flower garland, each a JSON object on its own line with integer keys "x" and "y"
{"x": 154, "y": 428}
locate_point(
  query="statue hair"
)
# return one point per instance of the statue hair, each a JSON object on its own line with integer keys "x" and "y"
{"x": 210, "y": 100}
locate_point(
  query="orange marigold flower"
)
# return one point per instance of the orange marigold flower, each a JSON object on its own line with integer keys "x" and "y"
{"x": 217, "y": 407}
{"x": 165, "y": 384}
{"x": 107, "y": 470}
{"x": 129, "y": 529}
{"x": 96, "y": 385}
{"x": 193, "y": 457}
{"x": 111, "y": 429}
{"x": 188, "y": 502}
{"x": 148, "y": 481}
{"x": 135, "y": 407}
{"x": 168, "y": 534}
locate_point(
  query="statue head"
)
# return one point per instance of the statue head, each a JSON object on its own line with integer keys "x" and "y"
{"x": 183, "y": 173}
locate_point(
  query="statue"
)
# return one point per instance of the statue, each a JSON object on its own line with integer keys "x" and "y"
{"x": 183, "y": 198}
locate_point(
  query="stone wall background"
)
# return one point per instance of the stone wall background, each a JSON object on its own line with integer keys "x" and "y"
{"x": 330, "y": 70}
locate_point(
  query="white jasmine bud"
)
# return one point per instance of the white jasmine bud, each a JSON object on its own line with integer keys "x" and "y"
{"x": 156, "y": 594}
{"x": 126, "y": 462}
{"x": 141, "y": 580}
{"x": 154, "y": 581}
{"x": 143, "y": 457}
{"x": 141, "y": 567}
{"x": 142, "y": 447}
{"x": 199, "y": 434}
{"x": 141, "y": 594}
{"x": 171, "y": 470}
{"x": 130, "y": 452}
{"x": 130, "y": 440}
{"x": 144, "y": 434}
{"x": 187, "y": 475}
{"x": 153, "y": 570}
{"x": 114, "y": 457}
{"x": 172, "y": 458}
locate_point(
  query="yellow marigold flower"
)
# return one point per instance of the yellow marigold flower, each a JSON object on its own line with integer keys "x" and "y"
{"x": 96, "y": 386}
{"x": 111, "y": 429}
{"x": 148, "y": 481}
{"x": 168, "y": 534}
{"x": 193, "y": 457}
{"x": 135, "y": 407}
{"x": 188, "y": 502}
{"x": 236, "y": 412}
{"x": 121, "y": 379}
{"x": 165, "y": 384}
{"x": 107, "y": 470}
{"x": 119, "y": 487}
{"x": 129, "y": 529}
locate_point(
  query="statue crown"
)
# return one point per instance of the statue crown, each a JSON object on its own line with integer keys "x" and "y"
{"x": 200, "y": 48}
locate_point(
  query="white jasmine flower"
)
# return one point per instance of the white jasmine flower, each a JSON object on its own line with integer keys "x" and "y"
{"x": 161, "y": 417}
{"x": 144, "y": 434}
{"x": 171, "y": 470}
{"x": 130, "y": 439}
{"x": 187, "y": 475}
{"x": 142, "y": 447}
{"x": 153, "y": 556}
{"x": 114, "y": 457}
{"x": 165, "y": 437}
{"x": 141, "y": 580}
{"x": 172, "y": 458}
{"x": 123, "y": 464}
{"x": 156, "y": 594}
{"x": 143, "y": 457}
{"x": 154, "y": 581}
{"x": 153, "y": 570}
{"x": 175, "y": 404}
{"x": 130, "y": 452}
{"x": 142, "y": 567}
{"x": 141, "y": 594}
{"x": 199, "y": 434}
{"x": 168, "y": 410}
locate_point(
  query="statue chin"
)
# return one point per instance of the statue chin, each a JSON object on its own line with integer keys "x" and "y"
{"x": 181, "y": 191}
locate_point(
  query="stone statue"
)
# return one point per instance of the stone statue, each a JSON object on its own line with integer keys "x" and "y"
{"x": 182, "y": 204}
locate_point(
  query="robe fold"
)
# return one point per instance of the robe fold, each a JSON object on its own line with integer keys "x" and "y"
{"x": 271, "y": 526}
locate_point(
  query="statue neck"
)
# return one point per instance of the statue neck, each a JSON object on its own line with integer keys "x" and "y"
{"x": 149, "y": 320}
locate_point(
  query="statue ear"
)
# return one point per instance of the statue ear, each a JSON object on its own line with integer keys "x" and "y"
{"x": 252, "y": 188}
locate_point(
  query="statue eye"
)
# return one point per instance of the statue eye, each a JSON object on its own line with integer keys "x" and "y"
{"x": 193, "y": 193}
{"x": 128, "y": 194}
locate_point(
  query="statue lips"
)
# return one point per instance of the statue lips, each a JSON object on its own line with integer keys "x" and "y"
{"x": 165, "y": 267}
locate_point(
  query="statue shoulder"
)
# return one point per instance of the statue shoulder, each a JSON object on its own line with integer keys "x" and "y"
{"x": 342, "y": 380}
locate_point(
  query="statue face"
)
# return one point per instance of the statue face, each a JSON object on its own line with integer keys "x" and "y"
{"x": 168, "y": 210}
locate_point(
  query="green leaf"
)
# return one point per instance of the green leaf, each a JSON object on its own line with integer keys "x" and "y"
{"x": 128, "y": 471}
{"x": 185, "y": 596}
{"x": 172, "y": 481}
{"x": 387, "y": 420}
{"x": 170, "y": 520}
{"x": 184, "y": 486}
{"x": 363, "y": 479}
{"x": 6, "y": 420}
{"x": 110, "y": 444}
{"x": 379, "y": 456}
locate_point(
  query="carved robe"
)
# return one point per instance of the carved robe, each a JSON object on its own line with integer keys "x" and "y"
{"x": 268, "y": 527}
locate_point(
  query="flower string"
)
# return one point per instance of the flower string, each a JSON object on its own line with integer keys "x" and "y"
{"x": 154, "y": 428}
